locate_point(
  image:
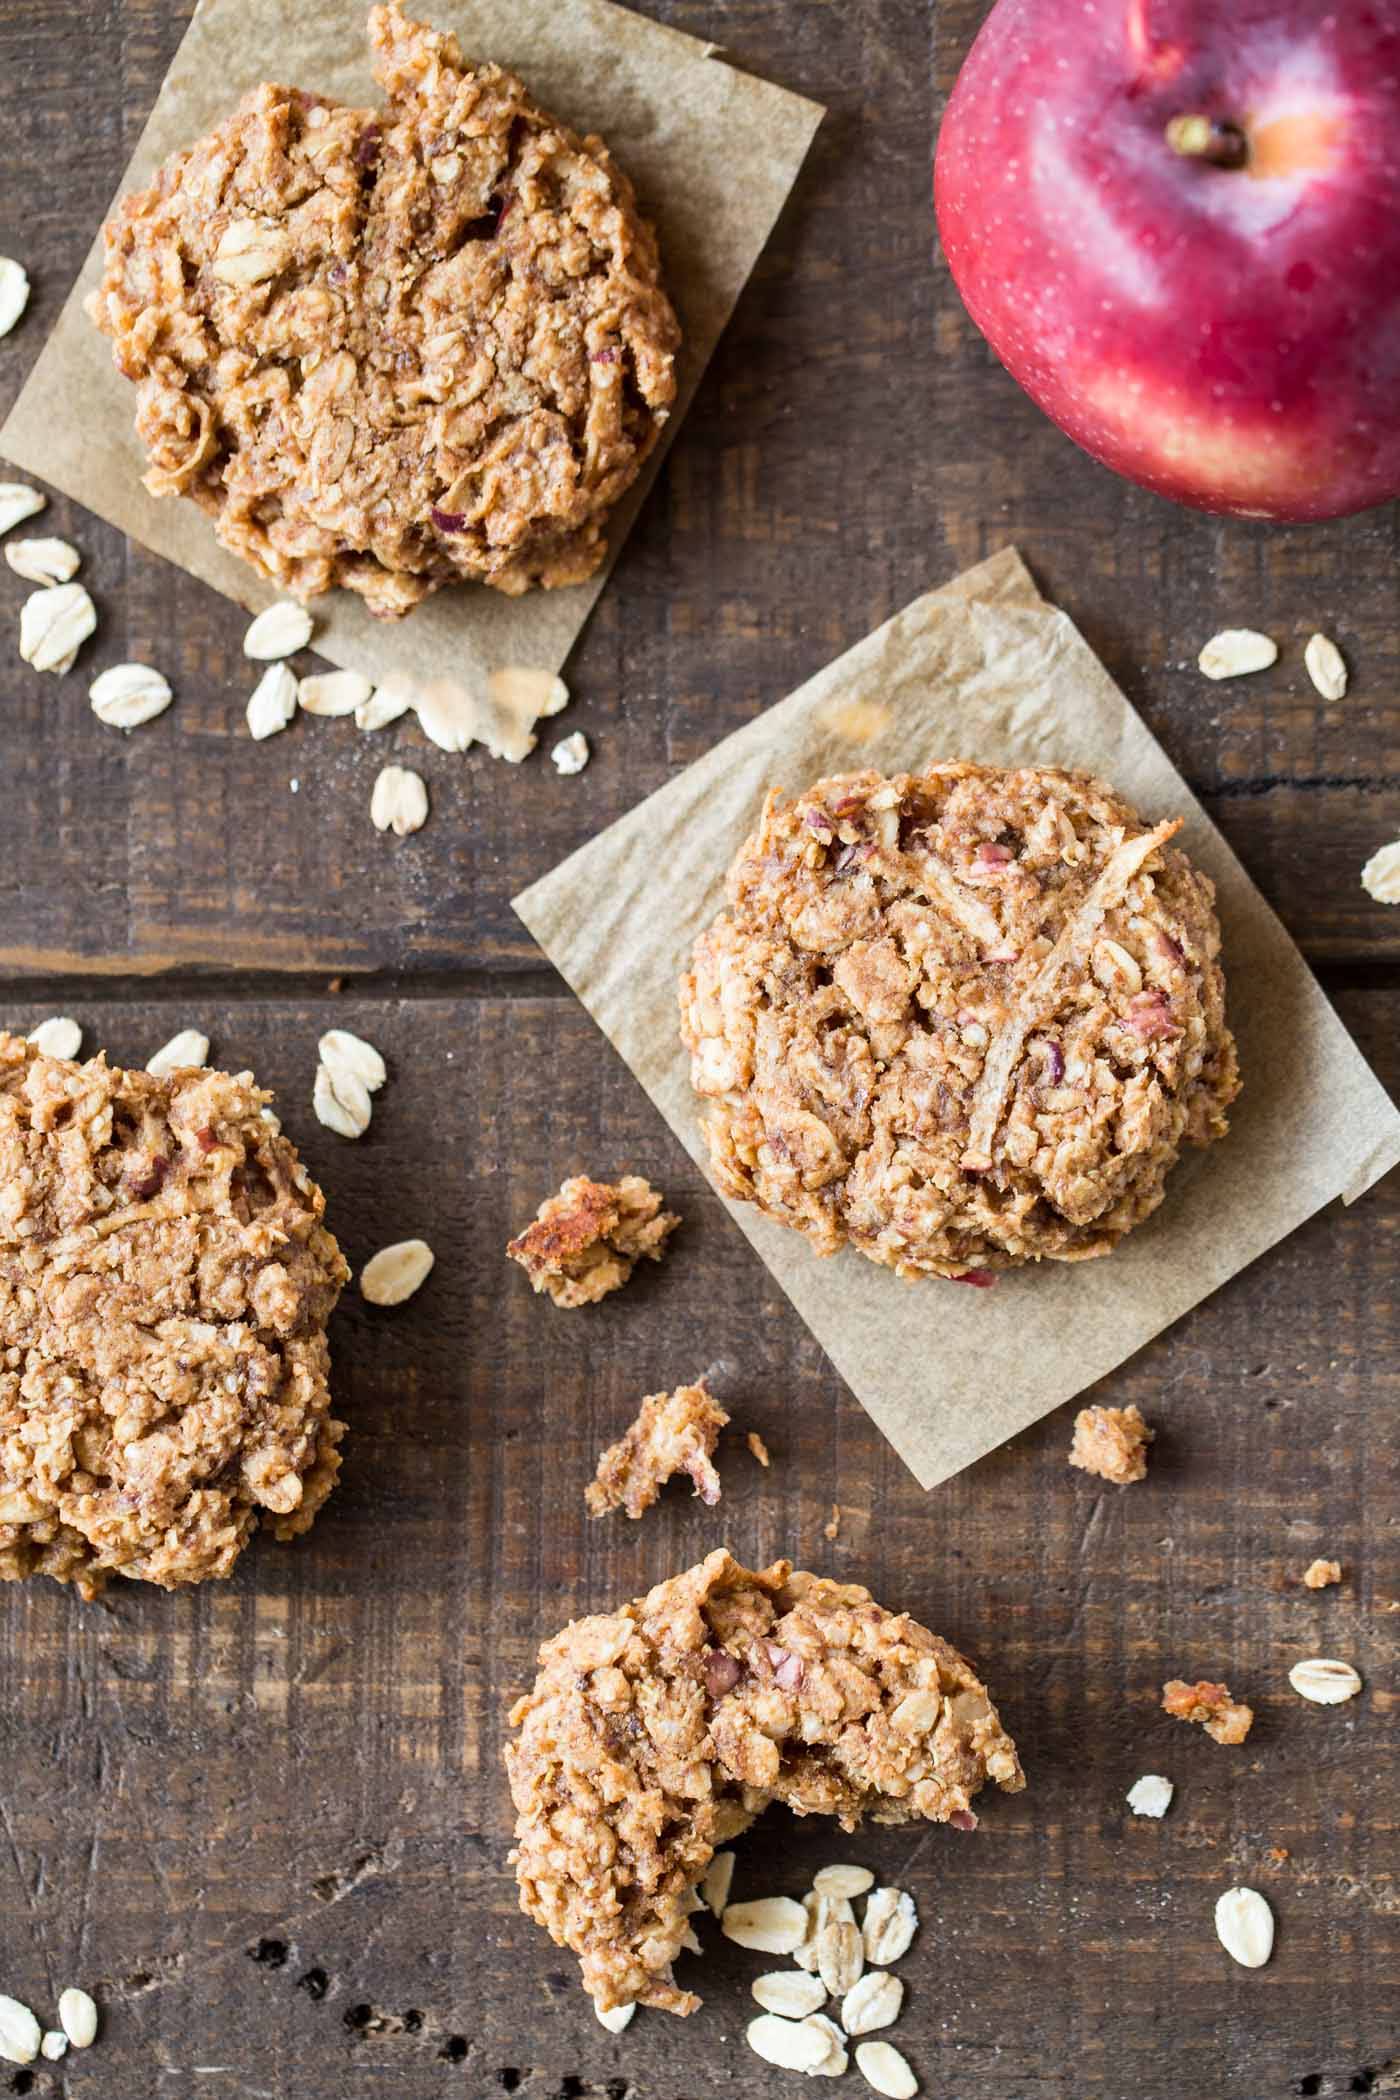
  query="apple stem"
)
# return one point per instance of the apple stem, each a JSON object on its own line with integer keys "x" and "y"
{"x": 1211, "y": 139}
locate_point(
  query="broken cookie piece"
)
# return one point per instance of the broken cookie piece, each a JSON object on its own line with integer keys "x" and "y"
{"x": 586, "y": 1241}
{"x": 1222, "y": 1717}
{"x": 1112, "y": 1442}
{"x": 674, "y": 1433}
{"x": 165, "y": 1283}
{"x": 657, "y": 1733}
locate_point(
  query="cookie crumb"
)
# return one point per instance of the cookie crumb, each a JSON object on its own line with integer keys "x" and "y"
{"x": 674, "y": 1433}
{"x": 1222, "y": 1717}
{"x": 1322, "y": 1574}
{"x": 587, "y": 1240}
{"x": 833, "y": 1524}
{"x": 759, "y": 1448}
{"x": 1111, "y": 1442}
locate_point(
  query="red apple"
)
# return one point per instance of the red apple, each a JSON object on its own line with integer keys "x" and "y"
{"x": 1177, "y": 222}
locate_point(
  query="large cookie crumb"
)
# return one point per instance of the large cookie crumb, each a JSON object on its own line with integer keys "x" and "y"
{"x": 657, "y": 1733}
{"x": 673, "y": 1433}
{"x": 1112, "y": 1442}
{"x": 587, "y": 1240}
{"x": 1224, "y": 1718}
{"x": 165, "y": 1283}
{"x": 386, "y": 349}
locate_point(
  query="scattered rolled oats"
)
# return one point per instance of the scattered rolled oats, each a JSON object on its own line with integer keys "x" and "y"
{"x": 771, "y": 1924}
{"x": 54, "y": 2045}
{"x": 790, "y": 2044}
{"x": 1322, "y": 1574}
{"x": 1235, "y": 651}
{"x": 54, "y": 624}
{"x": 383, "y": 706}
{"x": 805, "y": 1955}
{"x": 872, "y": 2003}
{"x": 518, "y": 698}
{"x": 890, "y": 1924}
{"x": 77, "y": 2016}
{"x": 280, "y": 630}
{"x": 719, "y": 1878}
{"x": 619, "y": 2017}
{"x": 19, "y": 2032}
{"x": 395, "y": 1273}
{"x": 571, "y": 753}
{"x": 272, "y": 703}
{"x": 1244, "y": 1925}
{"x": 129, "y": 695}
{"x": 1326, "y": 667}
{"x": 790, "y": 1992}
{"x": 399, "y": 802}
{"x": 189, "y": 1050}
{"x": 1324, "y": 1682}
{"x": 1151, "y": 1795}
{"x": 341, "y": 1102}
{"x": 17, "y": 502}
{"x": 1381, "y": 875}
{"x": 334, "y": 692}
{"x": 840, "y": 1955}
{"x": 43, "y": 561}
{"x": 885, "y": 2070}
{"x": 836, "y": 2062}
{"x": 57, "y": 1037}
{"x": 843, "y": 1881}
{"x": 14, "y": 292}
{"x": 340, "y": 1051}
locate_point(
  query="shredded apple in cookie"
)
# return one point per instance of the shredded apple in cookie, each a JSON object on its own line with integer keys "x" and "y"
{"x": 657, "y": 1733}
{"x": 963, "y": 1019}
{"x": 391, "y": 348}
{"x": 165, "y": 1282}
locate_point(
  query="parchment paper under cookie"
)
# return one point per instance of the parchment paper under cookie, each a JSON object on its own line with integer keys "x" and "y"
{"x": 713, "y": 154}
{"x": 983, "y": 669}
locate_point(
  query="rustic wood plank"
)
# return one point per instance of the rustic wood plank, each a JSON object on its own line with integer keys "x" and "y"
{"x": 267, "y": 1820}
{"x": 854, "y": 442}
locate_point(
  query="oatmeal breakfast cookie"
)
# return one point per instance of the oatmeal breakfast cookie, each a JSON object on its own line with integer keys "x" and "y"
{"x": 165, "y": 1282}
{"x": 389, "y": 349}
{"x": 674, "y": 1433}
{"x": 1227, "y": 1720}
{"x": 1112, "y": 1442}
{"x": 587, "y": 1240}
{"x": 963, "y": 1018}
{"x": 656, "y": 1733}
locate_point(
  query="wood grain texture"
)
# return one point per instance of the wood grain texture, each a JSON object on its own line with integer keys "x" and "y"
{"x": 266, "y": 1820}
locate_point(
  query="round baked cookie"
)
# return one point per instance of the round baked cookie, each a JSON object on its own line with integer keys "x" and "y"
{"x": 660, "y": 1731}
{"x": 962, "y": 1019}
{"x": 386, "y": 349}
{"x": 165, "y": 1282}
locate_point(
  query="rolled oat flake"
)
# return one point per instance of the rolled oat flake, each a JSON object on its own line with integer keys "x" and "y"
{"x": 20, "y": 2033}
{"x": 769, "y": 1924}
{"x": 618, "y": 2017}
{"x": 883, "y": 2068}
{"x": 789, "y": 1992}
{"x": 53, "y": 625}
{"x": 1325, "y": 1682}
{"x": 396, "y": 1272}
{"x": 129, "y": 695}
{"x": 77, "y": 2016}
{"x": 790, "y": 2044}
{"x": 1244, "y": 1925}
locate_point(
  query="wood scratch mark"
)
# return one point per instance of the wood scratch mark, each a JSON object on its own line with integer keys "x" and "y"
{"x": 30, "y": 1903}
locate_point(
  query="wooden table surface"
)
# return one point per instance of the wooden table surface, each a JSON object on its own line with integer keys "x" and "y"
{"x": 265, "y": 1821}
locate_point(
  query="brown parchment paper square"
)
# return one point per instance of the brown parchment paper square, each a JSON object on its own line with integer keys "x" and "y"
{"x": 984, "y": 670}
{"x": 713, "y": 154}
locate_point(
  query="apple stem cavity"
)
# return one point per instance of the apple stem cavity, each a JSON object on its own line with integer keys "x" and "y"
{"x": 1211, "y": 139}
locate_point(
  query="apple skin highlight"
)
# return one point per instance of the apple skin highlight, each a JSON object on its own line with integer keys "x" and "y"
{"x": 1227, "y": 335}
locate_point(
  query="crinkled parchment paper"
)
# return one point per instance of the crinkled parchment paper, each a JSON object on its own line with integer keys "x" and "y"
{"x": 713, "y": 154}
{"x": 985, "y": 670}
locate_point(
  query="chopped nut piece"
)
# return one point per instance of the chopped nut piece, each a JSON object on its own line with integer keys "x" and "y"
{"x": 890, "y": 1924}
{"x": 1151, "y": 1795}
{"x": 399, "y": 802}
{"x": 1244, "y": 1925}
{"x": 771, "y": 1924}
{"x": 1322, "y": 1574}
{"x": 1112, "y": 1442}
{"x": 396, "y": 1272}
{"x": 278, "y": 631}
{"x": 571, "y": 753}
{"x": 759, "y": 1448}
{"x": 272, "y": 703}
{"x": 129, "y": 695}
{"x": 789, "y": 1992}
{"x": 872, "y": 2003}
{"x": 54, "y": 624}
{"x": 77, "y": 2015}
{"x": 886, "y": 2071}
{"x": 674, "y": 1433}
{"x": 14, "y": 292}
{"x": 587, "y": 1240}
{"x": 1324, "y": 1682}
{"x": 187, "y": 1051}
{"x": 1235, "y": 651}
{"x": 43, "y": 561}
{"x": 19, "y": 2032}
{"x": 1380, "y": 877}
{"x": 58, "y": 1037}
{"x": 1211, "y": 1705}
{"x": 17, "y": 502}
{"x": 719, "y": 1879}
{"x": 1326, "y": 667}
{"x": 334, "y": 693}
